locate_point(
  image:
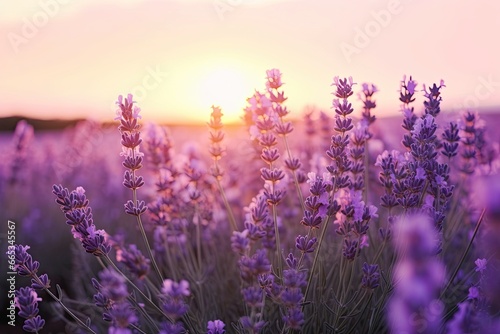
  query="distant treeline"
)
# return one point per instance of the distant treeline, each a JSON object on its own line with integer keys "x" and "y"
{"x": 8, "y": 124}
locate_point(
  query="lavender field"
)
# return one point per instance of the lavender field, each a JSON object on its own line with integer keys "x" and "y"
{"x": 334, "y": 221}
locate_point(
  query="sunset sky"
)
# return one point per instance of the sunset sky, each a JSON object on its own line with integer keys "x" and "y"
{"x": 66, "y": 59}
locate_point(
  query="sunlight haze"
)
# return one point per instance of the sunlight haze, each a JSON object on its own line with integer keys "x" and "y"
{"x": 68, "y": 59}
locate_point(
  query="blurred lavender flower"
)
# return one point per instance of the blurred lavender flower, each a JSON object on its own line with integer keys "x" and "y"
{"x": 122, "y": 315}
{"x": 418, "y": 278}
{"x": 465, "y": 320}
{"x": 172, "y": 298}
{"x": 216, "y": 136}
{"x": 133, "y": 259}
{"x": 22, "y": 138}
{"x": 169, "y": 328}
{"x": 291, "y": 295}
{"x": 481, "y": 265}
{"x": 469, "y": 125}
{"x": 111, "y": 285}
{"x": 215, "y": 327}
{"x": 451, "y": 140}
{"x": 371, "y": 276}
{"x": 112, "y": 294}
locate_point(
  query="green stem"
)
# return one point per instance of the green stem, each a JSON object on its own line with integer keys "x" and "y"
{"x": 316, "y": 256}
{"x": 141, "y": 227}
{"x": 278, "y": 243}
{"x": 59, "y": 300}
{"x": 476, "y": 229}
{"x": 294, "y": 174}
{"x": 148, "y": 247}
{"x": 135, "y": 287}
{"x": 229, "y": 211}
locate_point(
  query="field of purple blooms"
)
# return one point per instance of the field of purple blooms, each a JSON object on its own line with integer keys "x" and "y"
{"x": 324, "y": 224}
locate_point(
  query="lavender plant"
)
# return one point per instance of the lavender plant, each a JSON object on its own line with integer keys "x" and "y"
{"x": 324, "y": 238}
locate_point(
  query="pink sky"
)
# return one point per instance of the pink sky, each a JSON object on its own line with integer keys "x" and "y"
{"x": 70, "y": 59}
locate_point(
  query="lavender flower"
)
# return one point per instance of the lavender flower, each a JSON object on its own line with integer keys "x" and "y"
{"x": 257, "y": 264}
{"x": 480, "y": 265}
{"x": 133, "y": 259}
{"x": 305, "y": 244}
{"x": 240, "y": 242}
{"x": 368, "y": 103}
{"x": 215, "y": 327}
{"x": 432, "y": 105}
{"x": 24, "y": 264}
{"x": 465, "y": 320}
{"x": 371, "y": 276}
{"x": 343, "y": 124}
{"x": 294, "y": 318}
{"x": 418, "y": 278}
{"x": 128, "y": 114}
{"x": 23, "y": 136}
{"x": 112, "y": 294}
{"x": 121, "y": 315}
{"x": 111, "y": 285}
{"x": 170, "y": 328}
{"x": 26, "y": 301}
{"x": 173, "y": 296}
{"x": 252, "y": 326}
{"x": 216, "y": 136}
{"x": 75, "y": 207}
{"x": 451, "y": 140}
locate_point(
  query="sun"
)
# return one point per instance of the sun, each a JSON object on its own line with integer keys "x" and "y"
{"x": 227, "y": 87}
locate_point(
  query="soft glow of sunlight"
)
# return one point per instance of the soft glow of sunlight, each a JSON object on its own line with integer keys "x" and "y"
{"x": 227, "y": 87}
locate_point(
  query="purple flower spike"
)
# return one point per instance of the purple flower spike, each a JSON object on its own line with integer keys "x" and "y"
{"x": 371, "y": 276}
{"x": 294, "y": 318}
{"x": 44, "y": 282}
{"x": 344, "y": 87}
{"x": 215, "y": 327}
{"x": 24, "y": 264}
{"x": 75, "y": 207}
{"x": 481, "y": 265}
{"x": 26, "y": 301}
{"x": 133, "y": 259}
{"x": 173, "y": 296}
{"x": 112, "y": 285}
{"x": 122, "y": 315}
{"x": 304, "y": 244}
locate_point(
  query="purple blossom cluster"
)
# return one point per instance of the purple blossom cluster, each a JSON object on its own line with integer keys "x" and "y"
{"x": 26, "y": 298}
{"x": 418, "y": 277}
{"x": 112, "y": 296}
{"x": 78, "y": 213}
{"x": 27, "y": 302}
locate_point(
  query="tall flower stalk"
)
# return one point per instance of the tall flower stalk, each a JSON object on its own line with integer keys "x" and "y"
{"x": 263, "y": 131}
{"x": 340, "y": 164}
{"x": 216, "y": 151}
{"x": 128, "y": 115}
{"x": 284, "y": 128}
